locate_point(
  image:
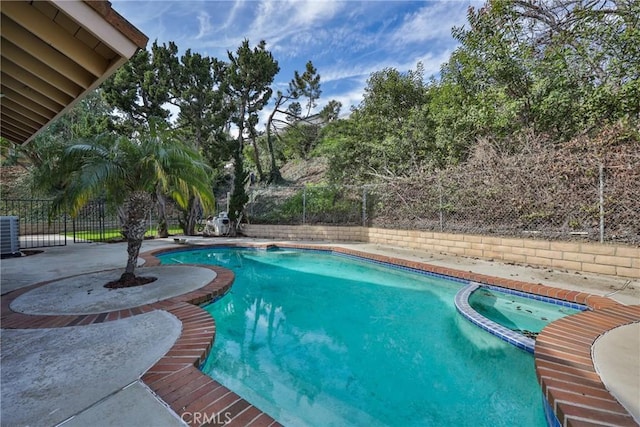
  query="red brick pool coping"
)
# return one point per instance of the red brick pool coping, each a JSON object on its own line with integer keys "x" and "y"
{"x": 563, "y": 360}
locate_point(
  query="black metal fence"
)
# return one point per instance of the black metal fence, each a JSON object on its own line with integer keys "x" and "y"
{"x": 96, "y": 222}
{"x": 37, "y": 227}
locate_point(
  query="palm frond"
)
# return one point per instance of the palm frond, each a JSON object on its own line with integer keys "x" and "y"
{"x": 113, "y": 168}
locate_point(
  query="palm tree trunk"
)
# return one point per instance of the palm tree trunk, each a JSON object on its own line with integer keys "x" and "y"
{"x": 194, "y": 213}
{"x": 133, "y": 249}
{"x": 134, "y": 228}
{"x": 163, "y": 227}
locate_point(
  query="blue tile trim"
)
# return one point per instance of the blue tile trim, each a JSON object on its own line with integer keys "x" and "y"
{"x": 549, "y": 415}
{"x": 462, "y": 305}
{"x": 542, "y": 298}
{"x": 506, "y": 334}
{"x": 400, "y": 267}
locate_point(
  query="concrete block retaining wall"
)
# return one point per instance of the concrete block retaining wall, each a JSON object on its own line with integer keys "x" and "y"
{"x": 616, "y": 260}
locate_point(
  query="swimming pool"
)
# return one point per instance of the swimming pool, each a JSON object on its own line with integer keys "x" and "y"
{"x": 318, "y": 339}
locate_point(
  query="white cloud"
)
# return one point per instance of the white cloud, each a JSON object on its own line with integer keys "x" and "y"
{"x": 342, "y": 71}
{"x": 231, "y": 17}
{"x": 278, "y": 22}
{"x": 431, "y": 22}
{"x": 204, "y": 24}
{"x": 310, "y": 12}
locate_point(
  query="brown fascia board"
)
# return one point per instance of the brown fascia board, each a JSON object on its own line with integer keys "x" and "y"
{"x": 104, "y": 8}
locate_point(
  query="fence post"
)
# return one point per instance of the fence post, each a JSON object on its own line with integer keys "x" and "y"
{"x": 66, "y": 217}
{"x": 440, "y": 204}
{"x": 304, "y": 204}
{"x": 601, "y": 191}
{"x": 101, "y": 218}
{"x": 364, "y": 205}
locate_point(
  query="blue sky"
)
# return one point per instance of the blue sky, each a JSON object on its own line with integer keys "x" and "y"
{"x": 345, "y": 40}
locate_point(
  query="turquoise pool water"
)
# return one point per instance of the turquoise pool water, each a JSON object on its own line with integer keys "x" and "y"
{"x": 320, "y": 340}
{"x": 515, "y": 312}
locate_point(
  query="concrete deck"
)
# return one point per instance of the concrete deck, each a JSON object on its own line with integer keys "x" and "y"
{"x": 86, "y": 294}
{"x": 53, "y": 374}
{"x": 118, "y": 346}
{"x": 620, "y": 347}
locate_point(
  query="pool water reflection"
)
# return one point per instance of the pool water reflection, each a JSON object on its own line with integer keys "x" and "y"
{"x": 316, "y": 339}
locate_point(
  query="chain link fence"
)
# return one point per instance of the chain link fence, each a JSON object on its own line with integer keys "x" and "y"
{"x": 335, "y": 205}
{"x": 579, "y": 201}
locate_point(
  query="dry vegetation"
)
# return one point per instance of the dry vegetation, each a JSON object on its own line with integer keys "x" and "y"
{"x": 537, "y": 188}
{"x": 14, "y": 182}
{"x": 532, "y": 187}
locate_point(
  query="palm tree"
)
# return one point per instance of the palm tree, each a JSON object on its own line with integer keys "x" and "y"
{"x": 128, "y": 172}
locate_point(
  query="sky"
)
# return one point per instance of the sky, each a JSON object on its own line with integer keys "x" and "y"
{"x": 345, "y": 40}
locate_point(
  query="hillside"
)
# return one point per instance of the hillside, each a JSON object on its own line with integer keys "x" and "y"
{"x": 300, "y": 172}
{"x": 13, "y": 183}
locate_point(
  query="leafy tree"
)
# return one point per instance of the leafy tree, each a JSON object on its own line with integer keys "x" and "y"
{"x": 142, "y": 87}
{"x": 597, "y": 44}
{"x": 86, "y": 119}
{"x": 558, "y": 67}
{"x": 370, "y": 143}
{"x": 331, "y": 111}
{"x": 340, "y": 142}
{"x": 486, "y": 86}
{"x": 454, "y": 113}
{"x": 301, "y": 137}
{"x": 141, "y": 90}
{"x": 199, "y": 93}
{"x": 127, "y": 173}
{"x": 249, "y": 75}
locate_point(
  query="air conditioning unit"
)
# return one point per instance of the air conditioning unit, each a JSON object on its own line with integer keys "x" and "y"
{"x": 9, "y": 236}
